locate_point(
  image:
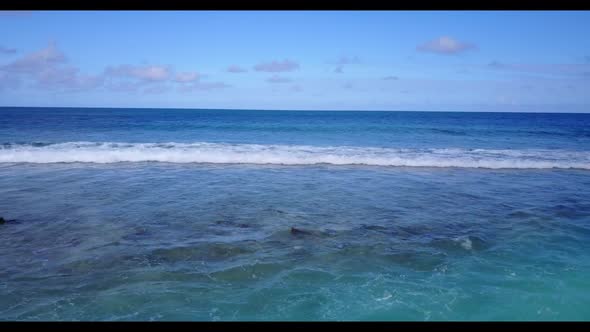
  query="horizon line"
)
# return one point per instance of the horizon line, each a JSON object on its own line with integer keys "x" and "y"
{"x": 288, "y": 110}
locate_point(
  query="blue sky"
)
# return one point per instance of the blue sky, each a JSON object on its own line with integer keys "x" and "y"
{"x": 341, "y": 60}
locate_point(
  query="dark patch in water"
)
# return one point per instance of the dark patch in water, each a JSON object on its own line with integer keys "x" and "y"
{"x": 420, "y": 232}
{"x": 78, "y": 267}
{"x": 8, "y": 145}
{"x": 376, "y": 228}
{"x": 276, "y": 211}
{"x": 520, "y": 214}
{"x": 138, "y": 233}
{"x": 141, "y": 231}
{"x": 8, "y": 221}
{"x": 546, "y": 133}
{"x": 565, "y": 211}
{"x": 75, "y": 242}
{"x": 297, "y": 231}
{"x": 418, "y": 261}
{"x": 207, "y": 252}
{"x": 449, "y": 131}
{"x": 232, "y": 223}
{"x": 415, "y": 229}
{"x": 246, "y": 273}
{"x": 176, "y": 254}
{"x": 40, "y": 144}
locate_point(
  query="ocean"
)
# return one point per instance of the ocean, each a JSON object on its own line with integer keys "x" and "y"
{"x": 217, "y": 215}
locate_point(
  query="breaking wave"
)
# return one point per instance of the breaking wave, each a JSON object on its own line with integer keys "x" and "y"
{"x": 223, "y": 153}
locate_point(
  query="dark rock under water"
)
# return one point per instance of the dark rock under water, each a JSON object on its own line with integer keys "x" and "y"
{"x": 4, "y": 221}
{"x": 297, "y": 231}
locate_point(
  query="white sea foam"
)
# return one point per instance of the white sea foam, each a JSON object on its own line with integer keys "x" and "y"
{"x": 107, "y": 152}
{"x": 467, "y": 244}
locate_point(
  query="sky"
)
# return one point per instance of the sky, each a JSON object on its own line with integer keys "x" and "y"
{"x": 510, "y": 61}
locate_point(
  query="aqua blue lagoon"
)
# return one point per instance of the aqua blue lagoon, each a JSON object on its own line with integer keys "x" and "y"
{"x": 178, "y": 214}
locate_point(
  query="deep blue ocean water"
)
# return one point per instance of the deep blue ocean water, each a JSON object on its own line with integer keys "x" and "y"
{"x": 161, "y": 214}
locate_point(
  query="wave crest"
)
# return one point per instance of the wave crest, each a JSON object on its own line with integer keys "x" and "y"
{"x": 223, "y": 153}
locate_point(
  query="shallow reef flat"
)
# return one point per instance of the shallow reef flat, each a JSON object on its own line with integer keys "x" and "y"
{"x": 157, "y": 241}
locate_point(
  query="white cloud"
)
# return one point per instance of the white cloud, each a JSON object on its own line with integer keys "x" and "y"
{"x": 277, "y": 66}
{"x": 203, "y": 86}
{"x": 186, "y": 77}
{"x": 37, "y": 61}
{"x": 346, "y": 60}
{"x": 236, "y": 69}
{"x": 445, "y": 45}
{"x": 149, "y": 73}
{"x": 278, "y": 79}
{"x": 47, "y": 68}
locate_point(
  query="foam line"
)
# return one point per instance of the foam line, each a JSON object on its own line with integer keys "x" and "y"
{"x": 108, "y": 152}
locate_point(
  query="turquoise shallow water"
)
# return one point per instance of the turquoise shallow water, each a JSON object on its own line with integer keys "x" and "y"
{"x": 133, "y": 242}
{"x": 110, "y": 239}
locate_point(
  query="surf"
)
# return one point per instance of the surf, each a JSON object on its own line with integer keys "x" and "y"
{"x": 226, "y": 153}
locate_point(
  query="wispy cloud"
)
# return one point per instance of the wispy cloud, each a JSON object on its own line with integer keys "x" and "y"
{"x": 445, "y": 45}
{"x": 203, "y": 86}
{"x": 575, "y": 69}
{"x": 346, "y": 60}
{"x": 149, "y": 79}
{"x": 6, "y": 50}
{"x": 277, "y": 66}
{"x": 152, "y": 73}
{"x": 236, "y": 69}
{"x": 390, "y": 78}
{"x": 497, "y": 65}
{"x": 37, "y": 61}
{"x": 186, "y": 77}
{"x": 296, "y": 88}
{"x": 278, "y": 79}
{"x": 156, "y": 79}
{"x": 68, "y": 78}
{"x": 48, "y": 69}
{"x": 212, "y": 85}
{"x": 343, "y": 61}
